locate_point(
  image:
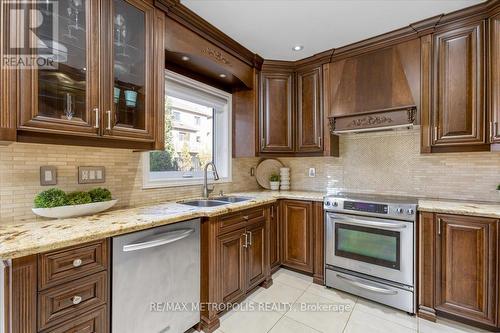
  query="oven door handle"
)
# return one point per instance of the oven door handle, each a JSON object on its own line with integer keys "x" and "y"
{"x": 368, "y": 286}
{"x": 368, "y": 223}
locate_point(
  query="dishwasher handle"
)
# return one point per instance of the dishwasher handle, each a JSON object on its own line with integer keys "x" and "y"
{"x": 158, "y": 240}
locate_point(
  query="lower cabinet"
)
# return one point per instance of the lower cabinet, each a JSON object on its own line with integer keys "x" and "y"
{"x": 297, "y": 235}
{"x": 232, "y": 257}
{"x": 61, "y": 291}
{"x": 242, "y": 260}
{"x": 274, "y": 238}
{"x": 458, "y": 268}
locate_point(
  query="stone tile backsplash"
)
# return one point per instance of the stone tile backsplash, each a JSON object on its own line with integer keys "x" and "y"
{"x": 385, "y": 162}
{"x": 391, "y": 163}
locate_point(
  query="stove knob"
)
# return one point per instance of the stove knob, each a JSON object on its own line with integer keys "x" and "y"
{"x": 410, "y": 211}
{"x": 335, "y": 204}
{"x": 327, "y": 203}
{"x": 400, "y": 210}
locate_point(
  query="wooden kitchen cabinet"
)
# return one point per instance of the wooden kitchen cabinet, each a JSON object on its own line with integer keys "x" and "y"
{"x": 274, "y": 238}
{"x": 458, "y": 258}
{"x": 291, "y": 110}
{"x": 256, "y": 251}
{"x": 309, "y": 130}
{"x": 64, "y": 290}
{"x": 276, "y": 119}
{"x": 232, "y": 258}
{"x": 105, "y": 88}
{"x": 494, "y": 80}
{"x": 297, "y": 235}
{"x": 458, "y": 109}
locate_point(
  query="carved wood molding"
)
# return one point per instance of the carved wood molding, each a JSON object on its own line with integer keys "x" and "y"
{"x": 216, "y": 55}
{"x": 379, "y": 118}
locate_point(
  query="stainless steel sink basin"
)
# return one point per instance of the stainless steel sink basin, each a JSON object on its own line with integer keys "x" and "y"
{"x": 232, "y": 199}
{"x": 219, "y": 201}
{"x": 204, "y": 203}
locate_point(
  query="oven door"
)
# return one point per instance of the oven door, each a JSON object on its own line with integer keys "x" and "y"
{"x": 373, "y": 246}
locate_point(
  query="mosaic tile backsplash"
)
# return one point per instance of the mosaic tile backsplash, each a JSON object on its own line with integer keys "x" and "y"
{"x": 385, "y": 162}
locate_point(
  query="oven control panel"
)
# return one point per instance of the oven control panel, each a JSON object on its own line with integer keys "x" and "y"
{"x": 400, "y": 211}
{"x": 366, "y": 207}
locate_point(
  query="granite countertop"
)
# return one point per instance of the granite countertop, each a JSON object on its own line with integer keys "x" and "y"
{"x": 485, "y": 209}
{"x": 31, "y": 237}
{"x": 26, "y": 238}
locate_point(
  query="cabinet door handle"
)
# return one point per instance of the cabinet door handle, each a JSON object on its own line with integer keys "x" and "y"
{"x": 319, "y": 141}
{"x": 96, "y": 114}
{"x": 439, "y": 226}
{"x": 495, "y": 130}
{"x": 76, "y": 300}
{"x": 272, "y": 211}
{"x": 249, "y": 238}
{"x": 246, "y": 240}
{"x": 245, "y": 217}
{"x": 435, "y": 133}
{"x": 108, "y": 113}
{"x": 77, "y": 262}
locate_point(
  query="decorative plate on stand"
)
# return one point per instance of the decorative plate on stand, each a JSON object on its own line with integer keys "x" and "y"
{"x": 265, "y": 169}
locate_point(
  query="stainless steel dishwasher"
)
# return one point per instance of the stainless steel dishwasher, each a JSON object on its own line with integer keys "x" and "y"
{"x": 156, "y": 279}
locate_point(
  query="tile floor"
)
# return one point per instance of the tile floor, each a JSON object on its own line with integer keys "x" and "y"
{"x": 340, "y": 312}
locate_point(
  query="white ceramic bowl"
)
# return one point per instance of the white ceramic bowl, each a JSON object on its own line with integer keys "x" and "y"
{"x": 63, "y": 212}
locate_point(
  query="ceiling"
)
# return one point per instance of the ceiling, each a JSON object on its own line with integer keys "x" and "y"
{"x": 271, "y": 28}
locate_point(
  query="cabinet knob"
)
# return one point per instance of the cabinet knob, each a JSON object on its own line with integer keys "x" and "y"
{"x": 76, "y": 299}
{"x": 77, "y": 262}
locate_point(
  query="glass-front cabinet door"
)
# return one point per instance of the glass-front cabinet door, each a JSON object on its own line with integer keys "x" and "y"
{"x": 60, "y": 95}
{"x": 129, "y": 99}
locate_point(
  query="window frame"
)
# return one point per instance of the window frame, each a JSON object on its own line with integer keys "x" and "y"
{"x": 225, "y": 177}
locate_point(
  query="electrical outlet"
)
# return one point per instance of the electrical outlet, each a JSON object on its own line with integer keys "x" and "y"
{"x": 48, "y": 175}
{"x": 312, "y": 172}
{"x": 91, "y": 175}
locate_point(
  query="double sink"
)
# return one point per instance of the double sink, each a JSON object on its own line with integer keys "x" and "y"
{"x": 215, "y": 201}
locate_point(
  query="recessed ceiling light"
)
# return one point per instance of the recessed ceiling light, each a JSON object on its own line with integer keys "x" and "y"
{"x": 185, "y": 58}
{"x": 222, "y": 75}
{"x": 298, "y": 48}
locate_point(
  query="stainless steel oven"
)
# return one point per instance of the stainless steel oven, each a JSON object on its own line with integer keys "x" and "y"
{"x": 370, "y": 247}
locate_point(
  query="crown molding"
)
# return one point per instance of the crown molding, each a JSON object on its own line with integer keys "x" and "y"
{"x": 175, "y": 10}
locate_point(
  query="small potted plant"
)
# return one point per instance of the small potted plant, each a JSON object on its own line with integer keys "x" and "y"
{"x": 274, "y": 182}
{"x": 498, "y": 188}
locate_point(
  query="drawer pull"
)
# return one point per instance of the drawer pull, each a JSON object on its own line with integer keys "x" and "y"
{"x": 77, "y": 262}
{"x": 245, "y": 218}
{"x": 76, "y": 300}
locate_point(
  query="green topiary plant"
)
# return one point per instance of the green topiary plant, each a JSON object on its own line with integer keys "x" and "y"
{"x": 100, "y": 194}
{"x": 79, "y": 198}
{"x": 498, "y": 187}
{"x": 53, "y": 197}
{"x": 274, "y": 178}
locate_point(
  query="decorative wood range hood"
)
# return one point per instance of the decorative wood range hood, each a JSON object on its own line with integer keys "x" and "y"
{"x": 372, "y": 91}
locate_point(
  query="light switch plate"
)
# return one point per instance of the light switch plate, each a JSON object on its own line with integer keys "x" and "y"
{"x": 312, "y": 172}
{"x": 91, "y": 174}
{"x": 48, "y": 175}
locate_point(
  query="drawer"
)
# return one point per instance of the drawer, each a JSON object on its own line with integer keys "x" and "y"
{"x": 71, "y": 263}
{"x": 241, "y": 219}
{"x": 70, "y": 300}
{"x": 94, "y": 321}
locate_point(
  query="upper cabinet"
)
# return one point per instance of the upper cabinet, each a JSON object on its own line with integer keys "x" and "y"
{"x": 130, "y": 70}
{"x": 309, "y": 110}
{"x": 291, "y": 110}
{"x": 102, "y": 84}
{"x": 276, "y": 112}
{"x": 494, "y": 80}
{"x": 64, "y": 98}
{"x": 458, "y": 90}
